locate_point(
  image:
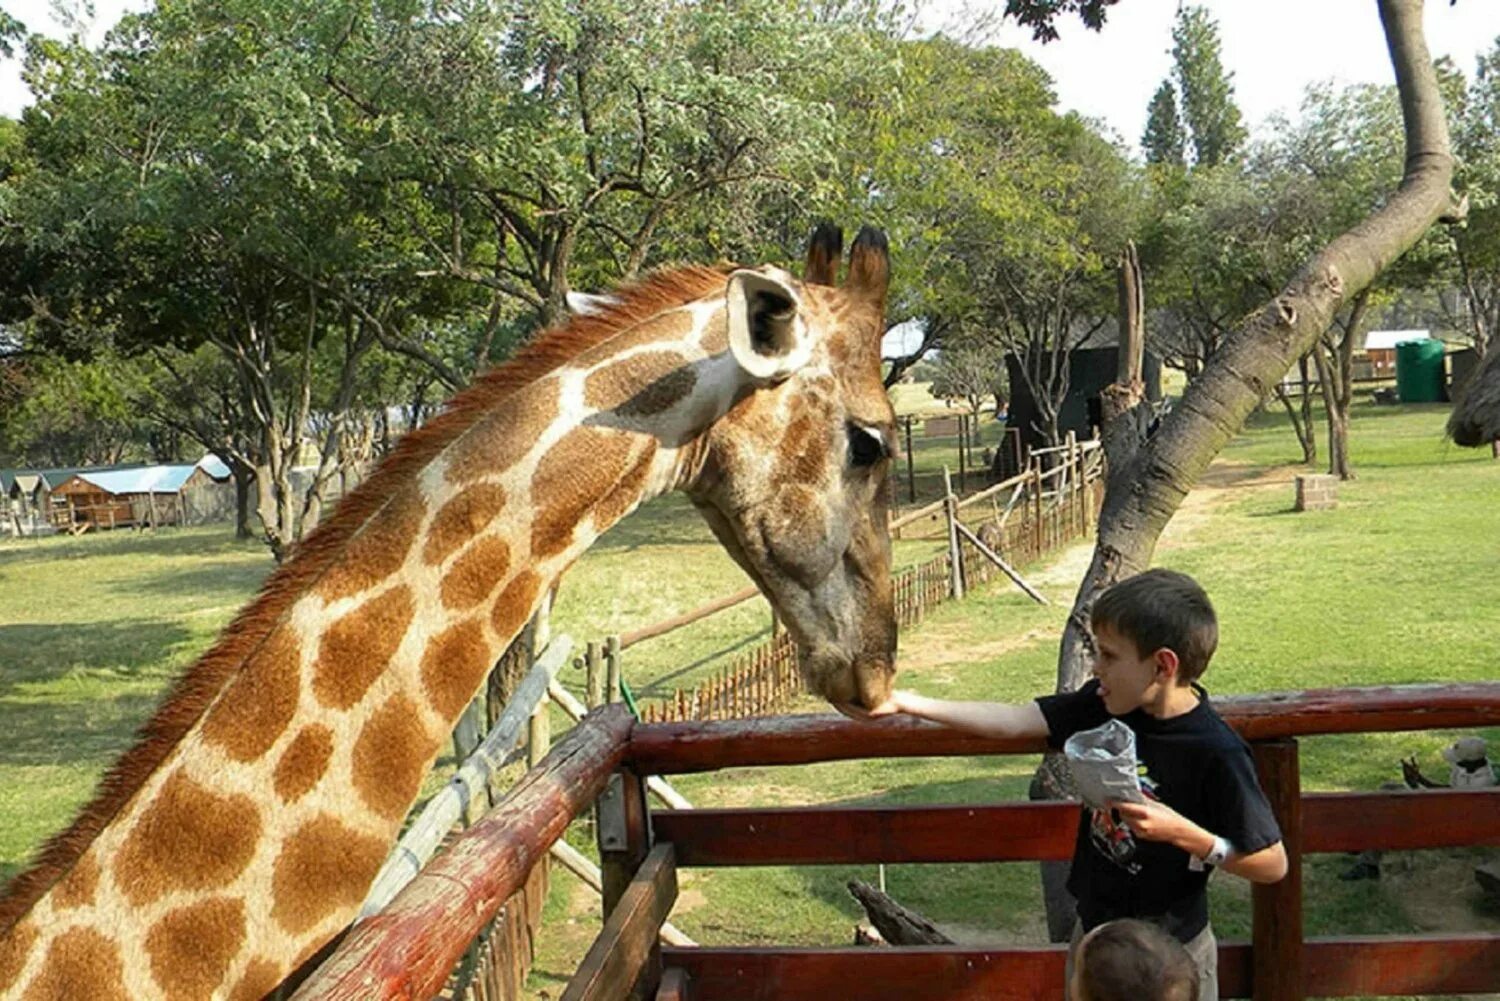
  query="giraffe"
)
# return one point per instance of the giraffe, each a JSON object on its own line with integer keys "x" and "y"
{"x": 243, "y": 830}
{"x": 1476, "y": 416}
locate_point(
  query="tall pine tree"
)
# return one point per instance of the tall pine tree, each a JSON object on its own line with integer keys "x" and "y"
{"x": 1208, "y": 105}
{"x": 1164, "y": 140}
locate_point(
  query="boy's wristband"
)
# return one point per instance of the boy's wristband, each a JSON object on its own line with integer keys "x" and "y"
{"x": 1216, "y": 855}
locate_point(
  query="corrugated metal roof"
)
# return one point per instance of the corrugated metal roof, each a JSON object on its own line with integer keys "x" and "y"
{"x": 1384, "y": 340}
{"x": 215, "y": 467}
{"x": 145, "y": 480}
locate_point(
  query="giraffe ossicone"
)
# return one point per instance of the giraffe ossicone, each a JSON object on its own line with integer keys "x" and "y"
{"x": 242, "y": 831}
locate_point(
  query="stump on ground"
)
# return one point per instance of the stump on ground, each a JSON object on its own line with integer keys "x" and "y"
{"x": 897, "y": 925}
{"x": 1488, "y": 878}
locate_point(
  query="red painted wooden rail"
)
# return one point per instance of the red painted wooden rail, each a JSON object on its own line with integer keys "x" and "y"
{"x": 409, "y": 950}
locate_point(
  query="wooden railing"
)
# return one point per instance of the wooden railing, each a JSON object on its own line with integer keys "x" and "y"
{"x": 409, "y": 950}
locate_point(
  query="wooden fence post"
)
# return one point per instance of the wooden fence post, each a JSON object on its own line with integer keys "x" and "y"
{"x": 612, "y": 667}
{"x": 911, "y": 476}
{"x": 955, "y": 557}
{"x": 1036, "y": 510}
{"x": 593, "y": 676}
{"x": 1276, "y": 952}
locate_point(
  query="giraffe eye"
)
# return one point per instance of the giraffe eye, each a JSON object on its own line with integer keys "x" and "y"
{"x": 866, "y": 446}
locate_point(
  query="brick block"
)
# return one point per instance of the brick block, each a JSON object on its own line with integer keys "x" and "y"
{"x": 1317, "y": 492}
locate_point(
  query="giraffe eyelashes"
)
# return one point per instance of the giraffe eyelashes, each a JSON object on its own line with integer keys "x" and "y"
{"x": 866, "y": 445}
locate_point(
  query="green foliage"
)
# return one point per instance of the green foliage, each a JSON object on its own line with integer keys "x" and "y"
{"x": 1206, "y": 89}
{"x": 76, "y": 413}
{"x": 1164, "y": 140}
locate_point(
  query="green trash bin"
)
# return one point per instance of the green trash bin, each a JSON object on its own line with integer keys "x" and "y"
{"x": 1419, "y": 371}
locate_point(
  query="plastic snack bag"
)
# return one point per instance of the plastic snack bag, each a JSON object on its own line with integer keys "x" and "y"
{"x": 1103, "y": 764}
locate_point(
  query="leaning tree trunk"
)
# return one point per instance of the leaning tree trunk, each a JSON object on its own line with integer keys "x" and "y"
{"x": 1148, "y": 481}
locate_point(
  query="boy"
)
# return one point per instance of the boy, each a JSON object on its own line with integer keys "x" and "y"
{"x": 1130, "y": 960}
{"x": 1154, "y": 634}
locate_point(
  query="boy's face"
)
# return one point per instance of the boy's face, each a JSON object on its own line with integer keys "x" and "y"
{"x": 1128, "y": 680}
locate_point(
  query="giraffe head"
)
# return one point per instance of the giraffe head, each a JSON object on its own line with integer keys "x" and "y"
{"x": 793, "y": 478}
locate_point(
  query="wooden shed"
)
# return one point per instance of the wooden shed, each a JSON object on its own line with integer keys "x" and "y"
{"x": 144, "y": 496}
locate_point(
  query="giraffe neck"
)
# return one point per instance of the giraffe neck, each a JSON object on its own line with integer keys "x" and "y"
{"x": 255, "y": 838}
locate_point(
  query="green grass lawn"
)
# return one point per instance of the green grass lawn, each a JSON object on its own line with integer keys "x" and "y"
{"x": 1397, "y": 585}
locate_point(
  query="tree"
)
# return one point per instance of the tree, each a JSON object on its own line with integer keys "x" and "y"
{"x": 1148, "y": 481}
{"x": 1164, "y": 141}
{"x": 971, "y": 366}
{"x": 1207, "y": 90}
{"x": 1475, "y": 262}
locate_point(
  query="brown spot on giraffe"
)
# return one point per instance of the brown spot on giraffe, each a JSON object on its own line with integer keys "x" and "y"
{"x": 391, "y": 756}
{"x": 574, "y": 475}
{"x": 259, "y": 701}
{"x": 324, "y": 868}
{"x": 499, "y": 439}
{"x": 614, "y": 506}
{"x": 191, "y": 947}
{"x": 303, "y": 762}
{"x": 355, "y": 649}
{"x": 15, "y": 946}
{"x": 260, "y": 978}
{"x": 802, "y": 459}
{"x": 641, "y": 385}
{"x": 80, "y": 963}
{"x": 453, "y": 667}
{"x": 78, "y": 887}
{"x": 188, "y": 839}
{"x": 513, "y": 607}
{"x": 714, "y": 338}
{"x": 378, "y": 549}
{"x": 475, "y": 575}
{"x": 461, "y": 519}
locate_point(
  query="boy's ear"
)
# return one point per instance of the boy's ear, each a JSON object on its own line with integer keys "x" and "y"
{"x": 1166, "y": 664}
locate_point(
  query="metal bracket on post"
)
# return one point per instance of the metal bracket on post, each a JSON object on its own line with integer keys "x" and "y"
{"x": 612, "y": 827}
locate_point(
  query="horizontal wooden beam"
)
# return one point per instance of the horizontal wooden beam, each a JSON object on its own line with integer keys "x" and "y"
{"x": 618, "y": 956}
{"x": 910, "y": 973}
{"x": 1008, "y": 832}
{"x": 1346, "y": 966}
{"x": 674, "y": 748}
{"x": 823, "y": 835}
{"x": 410, "y": 948}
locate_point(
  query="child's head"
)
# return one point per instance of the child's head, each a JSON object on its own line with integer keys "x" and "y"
{"x": 1129, "y": 960}
{"x": 1162, "y": 609}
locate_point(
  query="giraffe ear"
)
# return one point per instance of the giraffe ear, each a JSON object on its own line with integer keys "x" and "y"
{"x": 766, "y": 333}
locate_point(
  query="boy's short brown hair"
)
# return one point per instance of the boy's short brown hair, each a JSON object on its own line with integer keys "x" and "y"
{"x": 1129, "y": 960}
{"x": 1162, "y": 608}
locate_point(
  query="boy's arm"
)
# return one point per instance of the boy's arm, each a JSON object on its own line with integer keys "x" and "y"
{"x": 986, "y": 719}
{"x": 1155, "y": 821}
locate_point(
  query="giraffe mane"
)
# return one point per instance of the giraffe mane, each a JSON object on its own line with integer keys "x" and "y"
{"x": 197, "y": 688}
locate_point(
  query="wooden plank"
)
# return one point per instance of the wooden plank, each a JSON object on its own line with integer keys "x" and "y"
{"x": 1343, "y": 966}
{"x": 624, "y": 947}
{"x": 1401, "y": 820}
{"x": 1372, "y": 966}
{"x": 998, "y": 832}
{"x": 1277, "y": 907}
{"x": 676, "y": 748}
{"x": 1005, "y": 567}
{"x": 819, "y": 835}
{"x": 703, "y": 611}
{"x": 410, "y": 947}
{"x": 469, "y": 785}
{"x": 913, "y": 973}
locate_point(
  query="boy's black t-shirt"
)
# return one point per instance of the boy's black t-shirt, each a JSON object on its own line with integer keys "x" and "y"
{"x": 1195, "y": 764}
